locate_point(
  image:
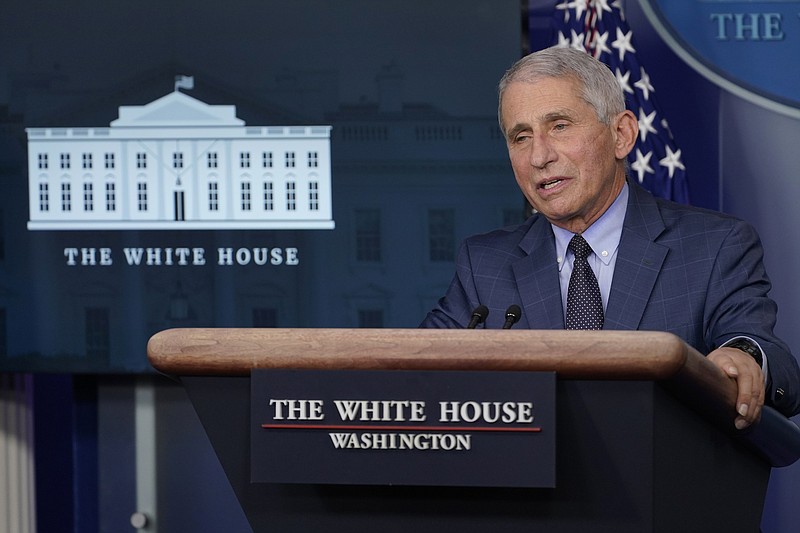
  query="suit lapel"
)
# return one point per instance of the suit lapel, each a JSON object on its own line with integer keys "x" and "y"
{"x": 639, "y": 262}
{"x": 536, "y": 278}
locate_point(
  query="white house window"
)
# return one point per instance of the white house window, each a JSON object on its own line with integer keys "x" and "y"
{"x": 290, "y": 163}
{"x": 98, "y": 343}
{"x": 368, "y": 235}
{"x": 291, "y": 196}
{"x": 370, "y": 318}
{"x": 141, "y": 160}
{"x": 313, "y": 196}
{"x": 66, "y": 197}
{"x": 212, "y": 160}
{"x": 43, "y": 161}
{"x": 512, "y": 216}
{"x": 87, "y": 160}
{"x": 265, "y": 317}
{"x": 269, "y": 196}
{"x": 213, "y": 196}
{"x": 110, "y": 160}
{"x": 65, "y": 161}
{"x": 3, "y": 332}
{"x": 44, "y": 197}
{"x": 266, "y": 159}
{"x": 246, "y": 199}
{"x": 177, "y": 160}
{"x": 141, "y": 196}
{"x": 88, "y": 197}
{"x": 441, "y": 234}
{"x": 111, "y": 197}
{"x": 244, "y": 160}
{"x": 313, "y": 159}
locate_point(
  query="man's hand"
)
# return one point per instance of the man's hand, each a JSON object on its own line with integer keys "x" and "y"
{"x": 743, "y": 369}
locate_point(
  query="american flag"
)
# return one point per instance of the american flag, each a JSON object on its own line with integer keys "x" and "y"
{"x": 599, "y": 28}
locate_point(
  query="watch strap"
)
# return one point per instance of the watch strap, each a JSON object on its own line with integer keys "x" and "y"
{"x": 749, "y": 347}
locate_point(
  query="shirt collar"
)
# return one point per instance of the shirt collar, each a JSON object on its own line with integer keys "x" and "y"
{"x": 603, "y": 235}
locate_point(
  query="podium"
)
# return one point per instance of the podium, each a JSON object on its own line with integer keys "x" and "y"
{"x": 645, "y": 440}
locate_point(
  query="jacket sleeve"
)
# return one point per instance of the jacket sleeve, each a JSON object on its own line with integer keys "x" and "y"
{"x": 738, "y": 305}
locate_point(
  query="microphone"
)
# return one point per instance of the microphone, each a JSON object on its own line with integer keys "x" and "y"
{"x": 479, "y": 314}
{"x": 512, "y": 316}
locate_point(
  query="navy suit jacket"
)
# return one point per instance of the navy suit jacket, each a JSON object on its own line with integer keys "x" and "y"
{"x": 696, "y": 273}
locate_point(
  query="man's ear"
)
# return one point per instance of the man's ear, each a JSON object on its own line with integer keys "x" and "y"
{"x": 626, "y": 130}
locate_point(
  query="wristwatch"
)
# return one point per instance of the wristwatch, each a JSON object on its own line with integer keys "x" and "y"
{"x": 749, "y": 347}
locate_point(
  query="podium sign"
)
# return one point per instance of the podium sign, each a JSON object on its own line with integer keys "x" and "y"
{"x": 364, "y": 427}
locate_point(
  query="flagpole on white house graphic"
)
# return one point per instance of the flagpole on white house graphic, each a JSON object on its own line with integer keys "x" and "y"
{"x": 184, "y": 82}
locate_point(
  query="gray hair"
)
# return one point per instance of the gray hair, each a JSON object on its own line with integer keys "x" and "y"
{"x": 598, "y": 85}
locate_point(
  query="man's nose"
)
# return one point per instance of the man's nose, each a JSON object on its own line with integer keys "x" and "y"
{"x": 541, "y": 152}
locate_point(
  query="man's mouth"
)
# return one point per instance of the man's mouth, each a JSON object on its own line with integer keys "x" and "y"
{"x": 550, "y": 184}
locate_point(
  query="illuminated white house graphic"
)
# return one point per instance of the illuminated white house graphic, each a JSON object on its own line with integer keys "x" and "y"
{"x": 178, "y": 163}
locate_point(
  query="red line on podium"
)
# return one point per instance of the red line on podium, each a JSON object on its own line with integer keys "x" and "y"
{"x": 404, "y": 428}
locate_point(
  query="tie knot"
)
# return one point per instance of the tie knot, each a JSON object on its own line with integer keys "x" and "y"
{"x": 579, "y": 247}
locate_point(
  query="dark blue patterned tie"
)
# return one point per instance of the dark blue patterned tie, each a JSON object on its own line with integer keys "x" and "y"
{"x": 584, "y": 305}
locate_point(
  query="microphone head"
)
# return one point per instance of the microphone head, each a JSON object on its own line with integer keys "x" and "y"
{"x": 479, "y": 315}
{"x": 481, "y": 312}
{"x": 513, "y": 313}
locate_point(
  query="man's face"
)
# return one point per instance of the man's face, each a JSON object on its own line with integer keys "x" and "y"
{"x": 567, "y": 163}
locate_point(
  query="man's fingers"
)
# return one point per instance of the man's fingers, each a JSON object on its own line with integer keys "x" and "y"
{"x": 749, "y": 382}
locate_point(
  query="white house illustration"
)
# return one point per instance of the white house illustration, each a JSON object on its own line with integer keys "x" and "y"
{"x": 179, "y": 163}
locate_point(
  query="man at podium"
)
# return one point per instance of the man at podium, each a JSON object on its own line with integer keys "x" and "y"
{"x": 600, "y": 252}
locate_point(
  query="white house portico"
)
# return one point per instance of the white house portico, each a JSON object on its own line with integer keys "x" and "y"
{"x": 179, "y": 163}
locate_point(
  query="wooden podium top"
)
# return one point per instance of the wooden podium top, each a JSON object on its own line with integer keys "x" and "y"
{"x": 640, "y": 355}
{"x": 604, "y": 355}
{"x": 573, "y": 354}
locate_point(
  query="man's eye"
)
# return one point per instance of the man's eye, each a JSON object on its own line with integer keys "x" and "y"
{"x": 561, "y": 126}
